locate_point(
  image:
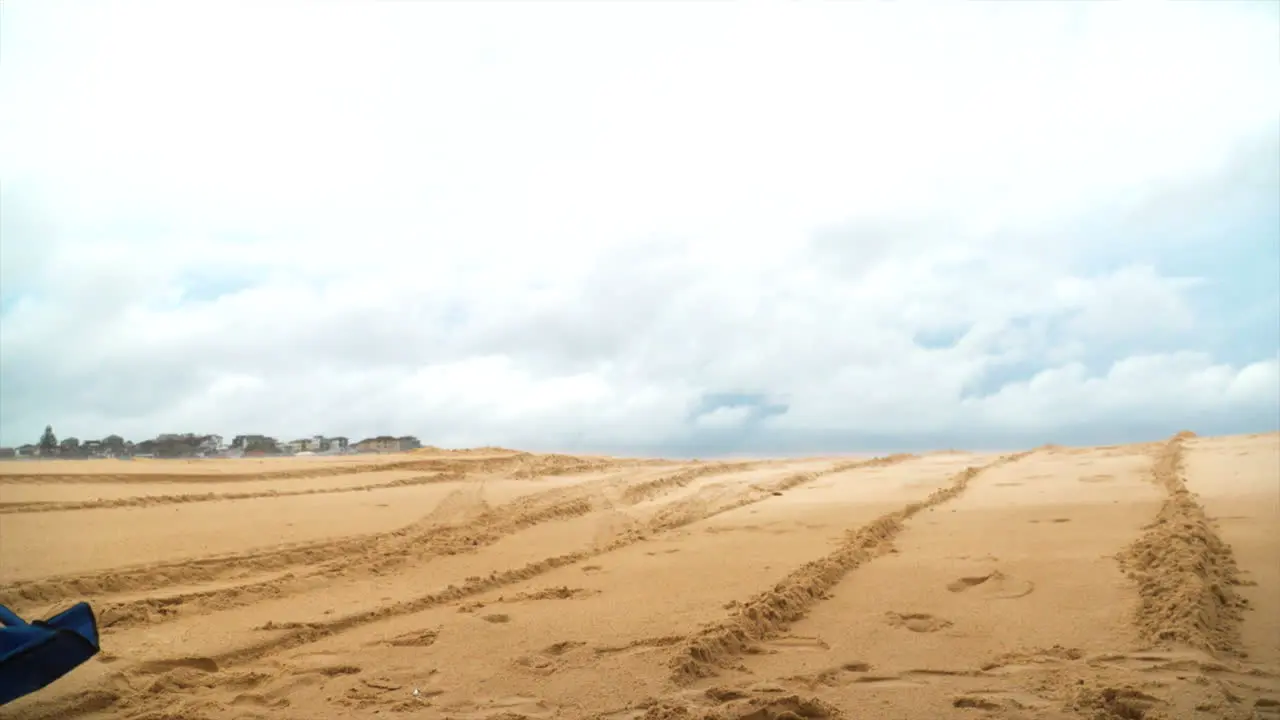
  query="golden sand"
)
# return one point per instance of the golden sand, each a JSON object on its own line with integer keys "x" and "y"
{"x": 1137, "y": 581}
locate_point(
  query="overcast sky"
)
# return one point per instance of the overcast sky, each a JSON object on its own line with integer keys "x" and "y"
{"x": 659, "y": 228}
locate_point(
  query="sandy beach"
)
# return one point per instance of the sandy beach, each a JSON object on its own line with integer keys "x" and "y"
{"x": 1136, "y": 581}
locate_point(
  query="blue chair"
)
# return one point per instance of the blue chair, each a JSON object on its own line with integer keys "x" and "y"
{"x": 34, "y": 654}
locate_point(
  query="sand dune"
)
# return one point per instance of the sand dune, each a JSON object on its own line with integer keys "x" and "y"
{"x": 1121, "y": 582}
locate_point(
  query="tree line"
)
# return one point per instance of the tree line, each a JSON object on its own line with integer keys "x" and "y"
{"x": 177, "y": 445}
{"x": 163, "y": 445}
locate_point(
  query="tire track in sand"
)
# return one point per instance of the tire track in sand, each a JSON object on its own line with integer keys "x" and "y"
{"x": 640, "y": 492}
{"x": 1186, "y": 574}
{"x": 102, "y": 698}
{"x": 660, "y": 523}
{"x": 150, "y": 500}
{"x": 447, "y": 537}
{"x": 381, "y": 558}
{"x": 767, "y": 614}
{"x": 158, "y": 576}
{"x": 137, "y": 478}
{"x": 527, "y": 465}
{"x": 370, "y": 554}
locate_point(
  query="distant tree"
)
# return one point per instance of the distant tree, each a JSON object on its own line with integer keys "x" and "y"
{"x": 176, "y": 445}
{"x": 48, "y": 442}
{"x": 238, "y": 442}
{"x": 259, "y": 443}
{"x": 114, "y": 444}
{"x": 70, "y": 447}
{"x": 146, "y": 447}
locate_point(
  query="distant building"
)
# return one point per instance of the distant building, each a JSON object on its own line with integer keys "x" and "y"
{"x": 316, "y": 444}
{"x": 211, "y": 445}
{"x": 255, "y": 443}
{"x": 382, "y": 443}
{"x": 6, "y": 452}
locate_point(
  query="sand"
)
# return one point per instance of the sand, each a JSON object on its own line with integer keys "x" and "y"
{"x": 1123, "y": 582}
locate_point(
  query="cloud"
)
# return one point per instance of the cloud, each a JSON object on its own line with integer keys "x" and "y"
{"x": 759, "y": 228}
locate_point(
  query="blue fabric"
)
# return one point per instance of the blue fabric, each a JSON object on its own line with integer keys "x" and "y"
{"x": 34, "y": 654}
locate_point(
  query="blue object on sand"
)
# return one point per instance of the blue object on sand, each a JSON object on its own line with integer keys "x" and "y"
{"x": 34, "y": 654}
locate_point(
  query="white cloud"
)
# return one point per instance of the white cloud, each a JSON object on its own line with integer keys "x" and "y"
{"x": 1181, "y": 386}
{"x": 567, "y": 225}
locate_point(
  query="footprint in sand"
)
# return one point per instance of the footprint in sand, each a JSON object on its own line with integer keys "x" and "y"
{"x": 1266, "y": 708}
{"x": 498, "y": 707}
{"x": 995, "y": 701}
{"x": 994, "y": 585}
{"x": 562, "y": 647}
{"x": 203, "y": 664}
{"x": 832, "y": 677}
{"x": 258, "y": 700}
{"x": 887, "y": 681}
{"x": 497, "y": 618}
{"x": 793, "y": 642}
{"x": 536, "y": 664}
{"x": 755, "y": 704}
{"x": 417, "y": 638}
{"x": 918, "y": 622}
{"x": 642, "y": 645}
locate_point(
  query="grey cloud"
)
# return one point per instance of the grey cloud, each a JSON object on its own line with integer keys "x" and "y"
{"x": 757, "y": 405}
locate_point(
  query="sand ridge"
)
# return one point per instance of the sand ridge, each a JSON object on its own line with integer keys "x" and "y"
{"x": 1186, "y": 575}
{"x": 1054, "y": 583}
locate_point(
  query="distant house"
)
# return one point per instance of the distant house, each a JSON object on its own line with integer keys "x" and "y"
{"x": 7, "y": 452}
{"x": 387, "y": 443}
{"x": 255, "y": 443}
{"x": 28, "y": 451}
{"x": 211, "y": 445}
{"x": 242, "y": 441}
{"x": 382, "y": 443}
{"x": 315, "y": 444}
{"x": 93, "y": 448}
{"x": 334, "y": 445}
